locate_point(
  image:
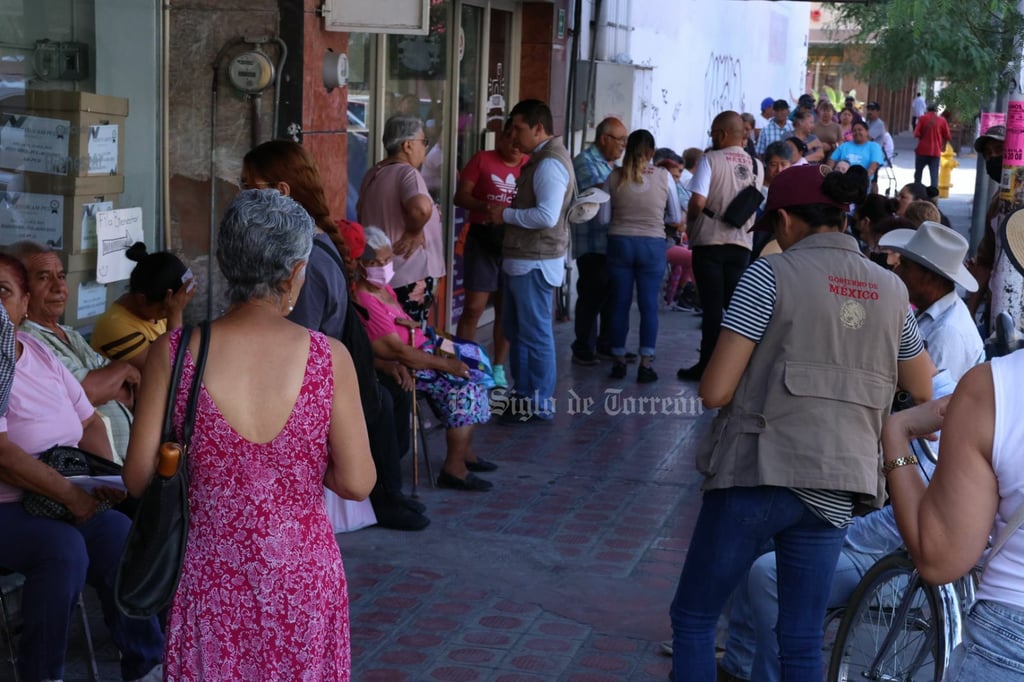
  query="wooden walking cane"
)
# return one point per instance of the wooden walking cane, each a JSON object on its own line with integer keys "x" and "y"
{"x": 412, "y": 326}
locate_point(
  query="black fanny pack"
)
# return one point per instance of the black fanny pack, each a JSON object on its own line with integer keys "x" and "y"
{"x": 742, "y": 207}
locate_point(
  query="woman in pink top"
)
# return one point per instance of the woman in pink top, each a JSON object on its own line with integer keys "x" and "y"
{"x": 48, "y": 407}
{"x": 448, "y": 382}
{"x": 395, "y": 198}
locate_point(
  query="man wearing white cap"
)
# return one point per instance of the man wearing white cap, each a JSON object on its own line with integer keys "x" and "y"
{"x": 931, "y": 265}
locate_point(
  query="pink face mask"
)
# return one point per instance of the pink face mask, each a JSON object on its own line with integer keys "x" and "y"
{"x": 379, "y": 276}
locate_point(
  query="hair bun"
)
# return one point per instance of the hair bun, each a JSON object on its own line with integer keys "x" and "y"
{"x": 136, "y": 252}
{"x": 850, "y": 187}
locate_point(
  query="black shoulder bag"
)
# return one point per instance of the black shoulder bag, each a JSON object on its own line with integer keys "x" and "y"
{"x": 357, "y": 341}
{"x": 744, "y": 205}
{"x": 150, "y": 567}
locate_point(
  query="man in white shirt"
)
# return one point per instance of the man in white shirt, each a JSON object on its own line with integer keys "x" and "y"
{"x": 917, "y": 109}
{"x": 931, "y": 265}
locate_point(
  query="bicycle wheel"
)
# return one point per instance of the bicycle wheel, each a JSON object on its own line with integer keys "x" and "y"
{"x": 892, "y": 629}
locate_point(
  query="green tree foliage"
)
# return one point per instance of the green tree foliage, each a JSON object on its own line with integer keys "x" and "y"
{"x": 970, "y": 45}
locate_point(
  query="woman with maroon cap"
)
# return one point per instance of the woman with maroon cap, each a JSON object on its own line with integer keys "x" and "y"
{"x": 812, "y": 348}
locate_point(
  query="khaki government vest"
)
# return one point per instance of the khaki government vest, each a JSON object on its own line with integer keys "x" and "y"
{"x": 732, "y": 169}
{"x": 808, "y": 411}
{"x": 540, "y": 244}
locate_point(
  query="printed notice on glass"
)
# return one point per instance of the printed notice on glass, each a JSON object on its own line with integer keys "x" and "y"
{"x": 1011, "y": 189}
{"x": 116, "y": 231}
{"x": 92, "y": 299}
{"x": 88, "y": 222}
{"x": 103, "y": 149}
{"x": 34, "y": 143}
{"x": 39, "y": 217}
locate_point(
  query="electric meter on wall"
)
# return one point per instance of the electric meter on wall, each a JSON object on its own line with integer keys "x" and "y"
{"x": 251, "y": 72}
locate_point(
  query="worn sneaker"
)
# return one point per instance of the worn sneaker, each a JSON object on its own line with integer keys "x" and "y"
{"x": 499, "y": 376}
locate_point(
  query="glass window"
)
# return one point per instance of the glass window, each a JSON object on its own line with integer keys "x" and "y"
{"x": 79, "y": 130}
{"x": 360, "y": 122}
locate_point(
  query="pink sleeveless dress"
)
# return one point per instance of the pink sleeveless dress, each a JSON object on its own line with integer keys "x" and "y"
{"x": 262, "y": 593}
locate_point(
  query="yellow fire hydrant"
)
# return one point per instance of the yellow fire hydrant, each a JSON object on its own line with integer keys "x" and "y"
{"x": 946, "y": 165}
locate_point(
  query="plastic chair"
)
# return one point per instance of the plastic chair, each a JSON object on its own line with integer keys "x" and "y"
{"x": 7, "y": 624}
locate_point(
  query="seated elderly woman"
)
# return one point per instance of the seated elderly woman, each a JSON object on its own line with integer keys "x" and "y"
{"x": 159, "y": 289}
{"x": 109, "y": 385}
{"x": 446, "y": 381}
{"x": 48, "y": 407}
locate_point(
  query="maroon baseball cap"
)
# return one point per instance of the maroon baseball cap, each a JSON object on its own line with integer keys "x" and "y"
{"x": 795, "y": 186}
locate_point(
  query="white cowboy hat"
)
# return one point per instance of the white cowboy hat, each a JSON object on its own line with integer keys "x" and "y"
{"x": 1013, "y": 238}
{"x": 586, "y": 205}
{"x": 935, "y": 247}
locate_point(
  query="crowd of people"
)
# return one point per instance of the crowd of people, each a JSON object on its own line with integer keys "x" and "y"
{"x": 820, "y": 298}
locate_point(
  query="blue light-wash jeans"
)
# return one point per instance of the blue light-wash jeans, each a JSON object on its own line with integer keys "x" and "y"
{"x": 635, "y": 262}
{"x": 527, "y": 318}
{"x": 732, "y": 526}
{"x": 752, "y": 649}
{"x": 993, "y": 646}
{"x": 57, "y": 560}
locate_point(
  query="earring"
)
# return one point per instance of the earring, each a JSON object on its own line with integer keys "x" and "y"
{"x": 290, "y": 306}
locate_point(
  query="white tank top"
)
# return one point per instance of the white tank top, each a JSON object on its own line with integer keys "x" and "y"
{"x": 1004, "y": 576}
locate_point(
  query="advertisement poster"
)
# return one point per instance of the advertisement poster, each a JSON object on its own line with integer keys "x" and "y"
{"x": 1011, "y": 189}
{"x": 116, "y": 231}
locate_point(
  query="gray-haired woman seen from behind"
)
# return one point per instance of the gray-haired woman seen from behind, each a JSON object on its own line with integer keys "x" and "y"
{"x": 394, "y": 197}
{"x": 279, "y": 417}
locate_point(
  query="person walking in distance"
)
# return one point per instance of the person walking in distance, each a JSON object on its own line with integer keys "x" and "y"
{"x": 589, "y": 241}
{"x": 932, "y": 133}
{"x": 720, "y": 251}
{"x": 533, "y": 252}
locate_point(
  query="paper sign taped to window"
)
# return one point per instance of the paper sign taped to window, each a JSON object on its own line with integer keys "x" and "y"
{"x": 88, "y": 221}
{"x": 39, "y": 217}
{"x": 34, "y": 143}
{"x": 92, "y": 300}
{"x": 116, "y": 231}
{"x": 103, "y": 149}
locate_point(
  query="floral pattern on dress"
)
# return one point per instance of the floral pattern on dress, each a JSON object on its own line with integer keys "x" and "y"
{"x": 262, "y": 593}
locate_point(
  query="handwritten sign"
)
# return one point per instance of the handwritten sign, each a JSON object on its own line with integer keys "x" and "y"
{"x": 116, "y": 231}
{"x": 39, "y": 217}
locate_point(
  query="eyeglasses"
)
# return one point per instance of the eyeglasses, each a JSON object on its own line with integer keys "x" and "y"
{"x": 425, "y": 141}
{"x": 620, "y": 140}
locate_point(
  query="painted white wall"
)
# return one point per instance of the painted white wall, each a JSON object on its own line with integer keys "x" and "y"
{"x": 709, "y": 56}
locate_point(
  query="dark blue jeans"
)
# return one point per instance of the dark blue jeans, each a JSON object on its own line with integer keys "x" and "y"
{"x": 929, "y": 162}
{"x": 57, "y": 559}
{"x": 636, "y": 262}
{"x": 732, "y": 527}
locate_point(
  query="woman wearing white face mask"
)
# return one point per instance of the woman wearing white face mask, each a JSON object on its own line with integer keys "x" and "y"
{"x": 452, "y": 387}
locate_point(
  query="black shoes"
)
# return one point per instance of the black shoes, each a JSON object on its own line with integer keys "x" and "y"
{"x": 481, "y": 465}
{"x": 691, "y": 373}
{"x": 645, "y": 374}
{"x": 628, "y": 358}
{"x": 618, "y": 371}
{"x": 586, "y": 358}
{"x": 471, "y": 483}
{"x": 399, "y": 514}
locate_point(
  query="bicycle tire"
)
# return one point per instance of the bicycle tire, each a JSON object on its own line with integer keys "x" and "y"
{"x": 918, "y": 651}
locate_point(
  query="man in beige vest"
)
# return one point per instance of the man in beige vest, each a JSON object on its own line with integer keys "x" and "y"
{"x": 721, "y": 252}
{"x": 536, "y": 238}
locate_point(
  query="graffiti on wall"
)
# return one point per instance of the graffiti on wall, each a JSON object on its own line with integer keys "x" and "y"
{"x": 723, "y": 86}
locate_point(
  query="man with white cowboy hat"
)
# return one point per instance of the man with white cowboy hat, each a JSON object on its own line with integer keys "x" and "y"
{"x": 931, "y": 265}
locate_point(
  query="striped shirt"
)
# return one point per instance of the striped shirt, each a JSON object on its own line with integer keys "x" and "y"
{"x": 8, "y": 357}
{"x": 749, "y": 314}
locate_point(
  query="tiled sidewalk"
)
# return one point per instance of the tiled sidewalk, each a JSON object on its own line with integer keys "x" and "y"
{"x": 564, "y": 571}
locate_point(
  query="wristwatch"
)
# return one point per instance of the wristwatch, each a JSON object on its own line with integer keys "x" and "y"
{"x": 898, "y": 462}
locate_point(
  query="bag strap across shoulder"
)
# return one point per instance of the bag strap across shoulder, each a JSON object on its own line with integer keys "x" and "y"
{"x": 188, "y": 425}
{"x": 167, "y": 433}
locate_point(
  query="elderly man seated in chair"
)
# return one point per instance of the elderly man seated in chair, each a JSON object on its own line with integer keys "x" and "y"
{"x": 110, "y": 386}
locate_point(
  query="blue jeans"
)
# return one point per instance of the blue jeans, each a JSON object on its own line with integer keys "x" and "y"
{"x": 733, "y": 525}
{"x": 993, "y": 646}
{"x": 639, "y": 262}
{"x": 531, "y": 338}
{"x": 752, "y": 650}
{"x": 57, "y": 559}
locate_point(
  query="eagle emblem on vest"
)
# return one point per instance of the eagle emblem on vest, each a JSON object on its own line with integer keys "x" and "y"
{"x": 853, "y": 314}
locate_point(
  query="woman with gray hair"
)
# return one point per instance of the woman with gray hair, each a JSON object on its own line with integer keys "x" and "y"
{"x": 278, "y": 418}
{"x": 394, "y": 196}
{"x": 456, "y": 390}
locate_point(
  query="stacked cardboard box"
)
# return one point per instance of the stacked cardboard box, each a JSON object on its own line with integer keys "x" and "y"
{"x": 61, "y": 155}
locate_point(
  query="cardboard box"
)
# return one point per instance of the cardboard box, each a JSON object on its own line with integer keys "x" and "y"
{"x": 39, "y": 211}
{"x": 63, "y": 132}
{"x": 87, "y": 299}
